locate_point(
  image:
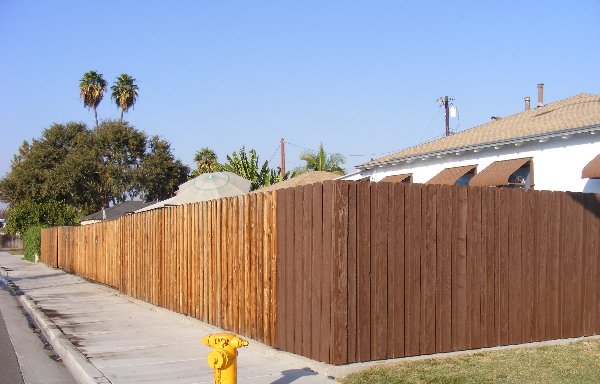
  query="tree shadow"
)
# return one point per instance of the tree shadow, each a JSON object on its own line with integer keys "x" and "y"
{"x": 589, "y": 201}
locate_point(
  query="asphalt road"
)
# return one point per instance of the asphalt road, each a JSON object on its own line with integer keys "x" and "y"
{"x": 24, "y": 358}
{"x": 9, "y": 365}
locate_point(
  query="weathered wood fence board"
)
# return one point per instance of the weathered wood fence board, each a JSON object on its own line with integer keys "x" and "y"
{"x": 355, "y": 271}
{"x": 213, "y": 260}
{"x": 404, "y": 270}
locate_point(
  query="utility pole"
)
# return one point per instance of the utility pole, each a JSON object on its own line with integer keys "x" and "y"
{"x": 447, "y": 114}
{"x": 282, "y": 158}
{"x": 445, "y": 102}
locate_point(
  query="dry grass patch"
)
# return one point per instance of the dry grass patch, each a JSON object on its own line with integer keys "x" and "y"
{"x": 573, "y": 363}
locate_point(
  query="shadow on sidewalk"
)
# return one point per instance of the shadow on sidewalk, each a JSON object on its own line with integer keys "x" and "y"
{"x": 291, "y": 375}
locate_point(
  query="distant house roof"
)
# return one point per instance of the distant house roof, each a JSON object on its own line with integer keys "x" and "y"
{"x": 117, "y": 211}
{"x": 577, "y": 114}
{"x": 302, "y": 179}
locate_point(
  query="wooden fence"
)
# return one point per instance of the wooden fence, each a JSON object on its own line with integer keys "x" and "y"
{"x": 10, "y": 241}
{"x": 214, "y": 260}
{"x": 355, "y": 271}
{"x": 384, "y": 270}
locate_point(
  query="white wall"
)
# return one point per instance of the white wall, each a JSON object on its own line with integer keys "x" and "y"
{"x": 557, "y": 163}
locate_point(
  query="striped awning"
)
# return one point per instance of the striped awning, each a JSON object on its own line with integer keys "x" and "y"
{"x": 498, "y": 172}
{"x": 592, "y": 169}
{"x": 404, "y": 178}
{"x": 449, "y": 175}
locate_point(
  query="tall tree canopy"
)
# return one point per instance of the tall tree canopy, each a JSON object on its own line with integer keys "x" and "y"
{"x": 124, "y": 92}
{"x": 160, "y": 172}
{"x": 321, "y": 161}
{"x": 206, "y": 161}
{"x": 91, "y": 169}
{"x": 91, "y": 90}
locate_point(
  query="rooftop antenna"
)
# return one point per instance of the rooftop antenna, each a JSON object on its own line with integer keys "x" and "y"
{"x": 446, "y": 102}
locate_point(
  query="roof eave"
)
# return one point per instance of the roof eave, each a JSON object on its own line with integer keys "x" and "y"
{"x": 474, "y": 147}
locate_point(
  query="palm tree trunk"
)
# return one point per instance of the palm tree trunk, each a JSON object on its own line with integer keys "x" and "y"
{"x": 96, "y": 116}
{"x": 121, "y": 115}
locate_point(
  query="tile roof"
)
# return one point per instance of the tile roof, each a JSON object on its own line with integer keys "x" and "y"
{"x": 578, "y": 112}
{"x": 302, "y": 179}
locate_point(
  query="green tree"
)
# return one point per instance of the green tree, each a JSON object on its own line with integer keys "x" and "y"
{"x": 120, "y": 149}
{"x": 51, "y": 168}
{"x": 160, "y": 173}
{"x": 124, "y": 92}
{"x": 91, "y": 90}
{"x": 246, "y": 165}
{"x": 321, "y": 161}
{"x": 206, "y": 161}
{"x": 92, "y": 169}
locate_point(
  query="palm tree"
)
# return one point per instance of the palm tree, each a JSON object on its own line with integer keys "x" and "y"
{"x": 320, "y": 161}
{"x": 124, "y": 92}
{"x": 206, "y": 161}
{"x": 92, "y": 87}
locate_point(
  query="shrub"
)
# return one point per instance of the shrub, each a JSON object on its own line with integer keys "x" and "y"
{"x": 31, "y": 242}
{"x": 28, "y": 214}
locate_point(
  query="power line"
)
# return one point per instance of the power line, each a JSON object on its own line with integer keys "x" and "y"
{"x": 298, "y": 146}
{"x": 274, "y": 153}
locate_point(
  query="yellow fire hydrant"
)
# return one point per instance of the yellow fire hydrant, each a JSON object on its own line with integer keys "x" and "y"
{"x": 223, "y": 357}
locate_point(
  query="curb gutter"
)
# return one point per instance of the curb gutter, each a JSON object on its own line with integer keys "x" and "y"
{"x": 83, "y": 371}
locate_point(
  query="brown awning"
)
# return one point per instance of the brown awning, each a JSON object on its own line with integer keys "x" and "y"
{"x": 449, "y": 175}
{"x": 592, "y": 169}
{"x": 498, "y": 172}
{"x": 405, "y": 178}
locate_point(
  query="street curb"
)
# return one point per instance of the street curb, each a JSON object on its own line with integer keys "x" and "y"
{"x": 82, "y": 370}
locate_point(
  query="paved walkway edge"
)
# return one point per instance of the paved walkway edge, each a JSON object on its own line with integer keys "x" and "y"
{"x": 83, "y": 371}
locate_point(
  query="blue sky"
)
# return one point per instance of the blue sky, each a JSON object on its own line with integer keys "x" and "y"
{"x": 362, "y": 77}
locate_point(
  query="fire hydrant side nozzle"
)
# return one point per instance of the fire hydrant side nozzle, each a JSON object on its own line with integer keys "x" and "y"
{"x": 222, "y": 359}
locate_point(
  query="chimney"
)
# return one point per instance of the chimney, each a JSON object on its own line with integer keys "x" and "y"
{"x": 540, "y": 95}
{"x": 527, "y": 103}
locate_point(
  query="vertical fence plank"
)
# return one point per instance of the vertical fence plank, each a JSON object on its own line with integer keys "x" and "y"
{"x": 428, "y": 270}
{"x": 317, "y": 268}
{"x": 326, "y": 282}
{"x": 412, "y": 320}
{"x": 590, "y": 264}
{"x": 503, "y": 207}
{"x": 473, "y": 263}
{"x": 527, "y": 265}
{"x": 459, "y": 269}
{"x": 443, "y": 293}
{"x": 395, "y": 277}
{"x": 363, "y": 267}
{"x": 488, "y": 215}
{"x": 339, "y": 293}
{"x": 552, "y": 268}
{"x": 379, "y": 263}
{"x": 352, "y": 276}
{"x": 281, "y": 262}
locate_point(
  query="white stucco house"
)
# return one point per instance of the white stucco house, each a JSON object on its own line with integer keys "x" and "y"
{"x": 543, "y": 148}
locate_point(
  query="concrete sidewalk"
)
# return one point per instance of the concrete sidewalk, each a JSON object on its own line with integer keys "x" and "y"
{"x": 106, "y": 337}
